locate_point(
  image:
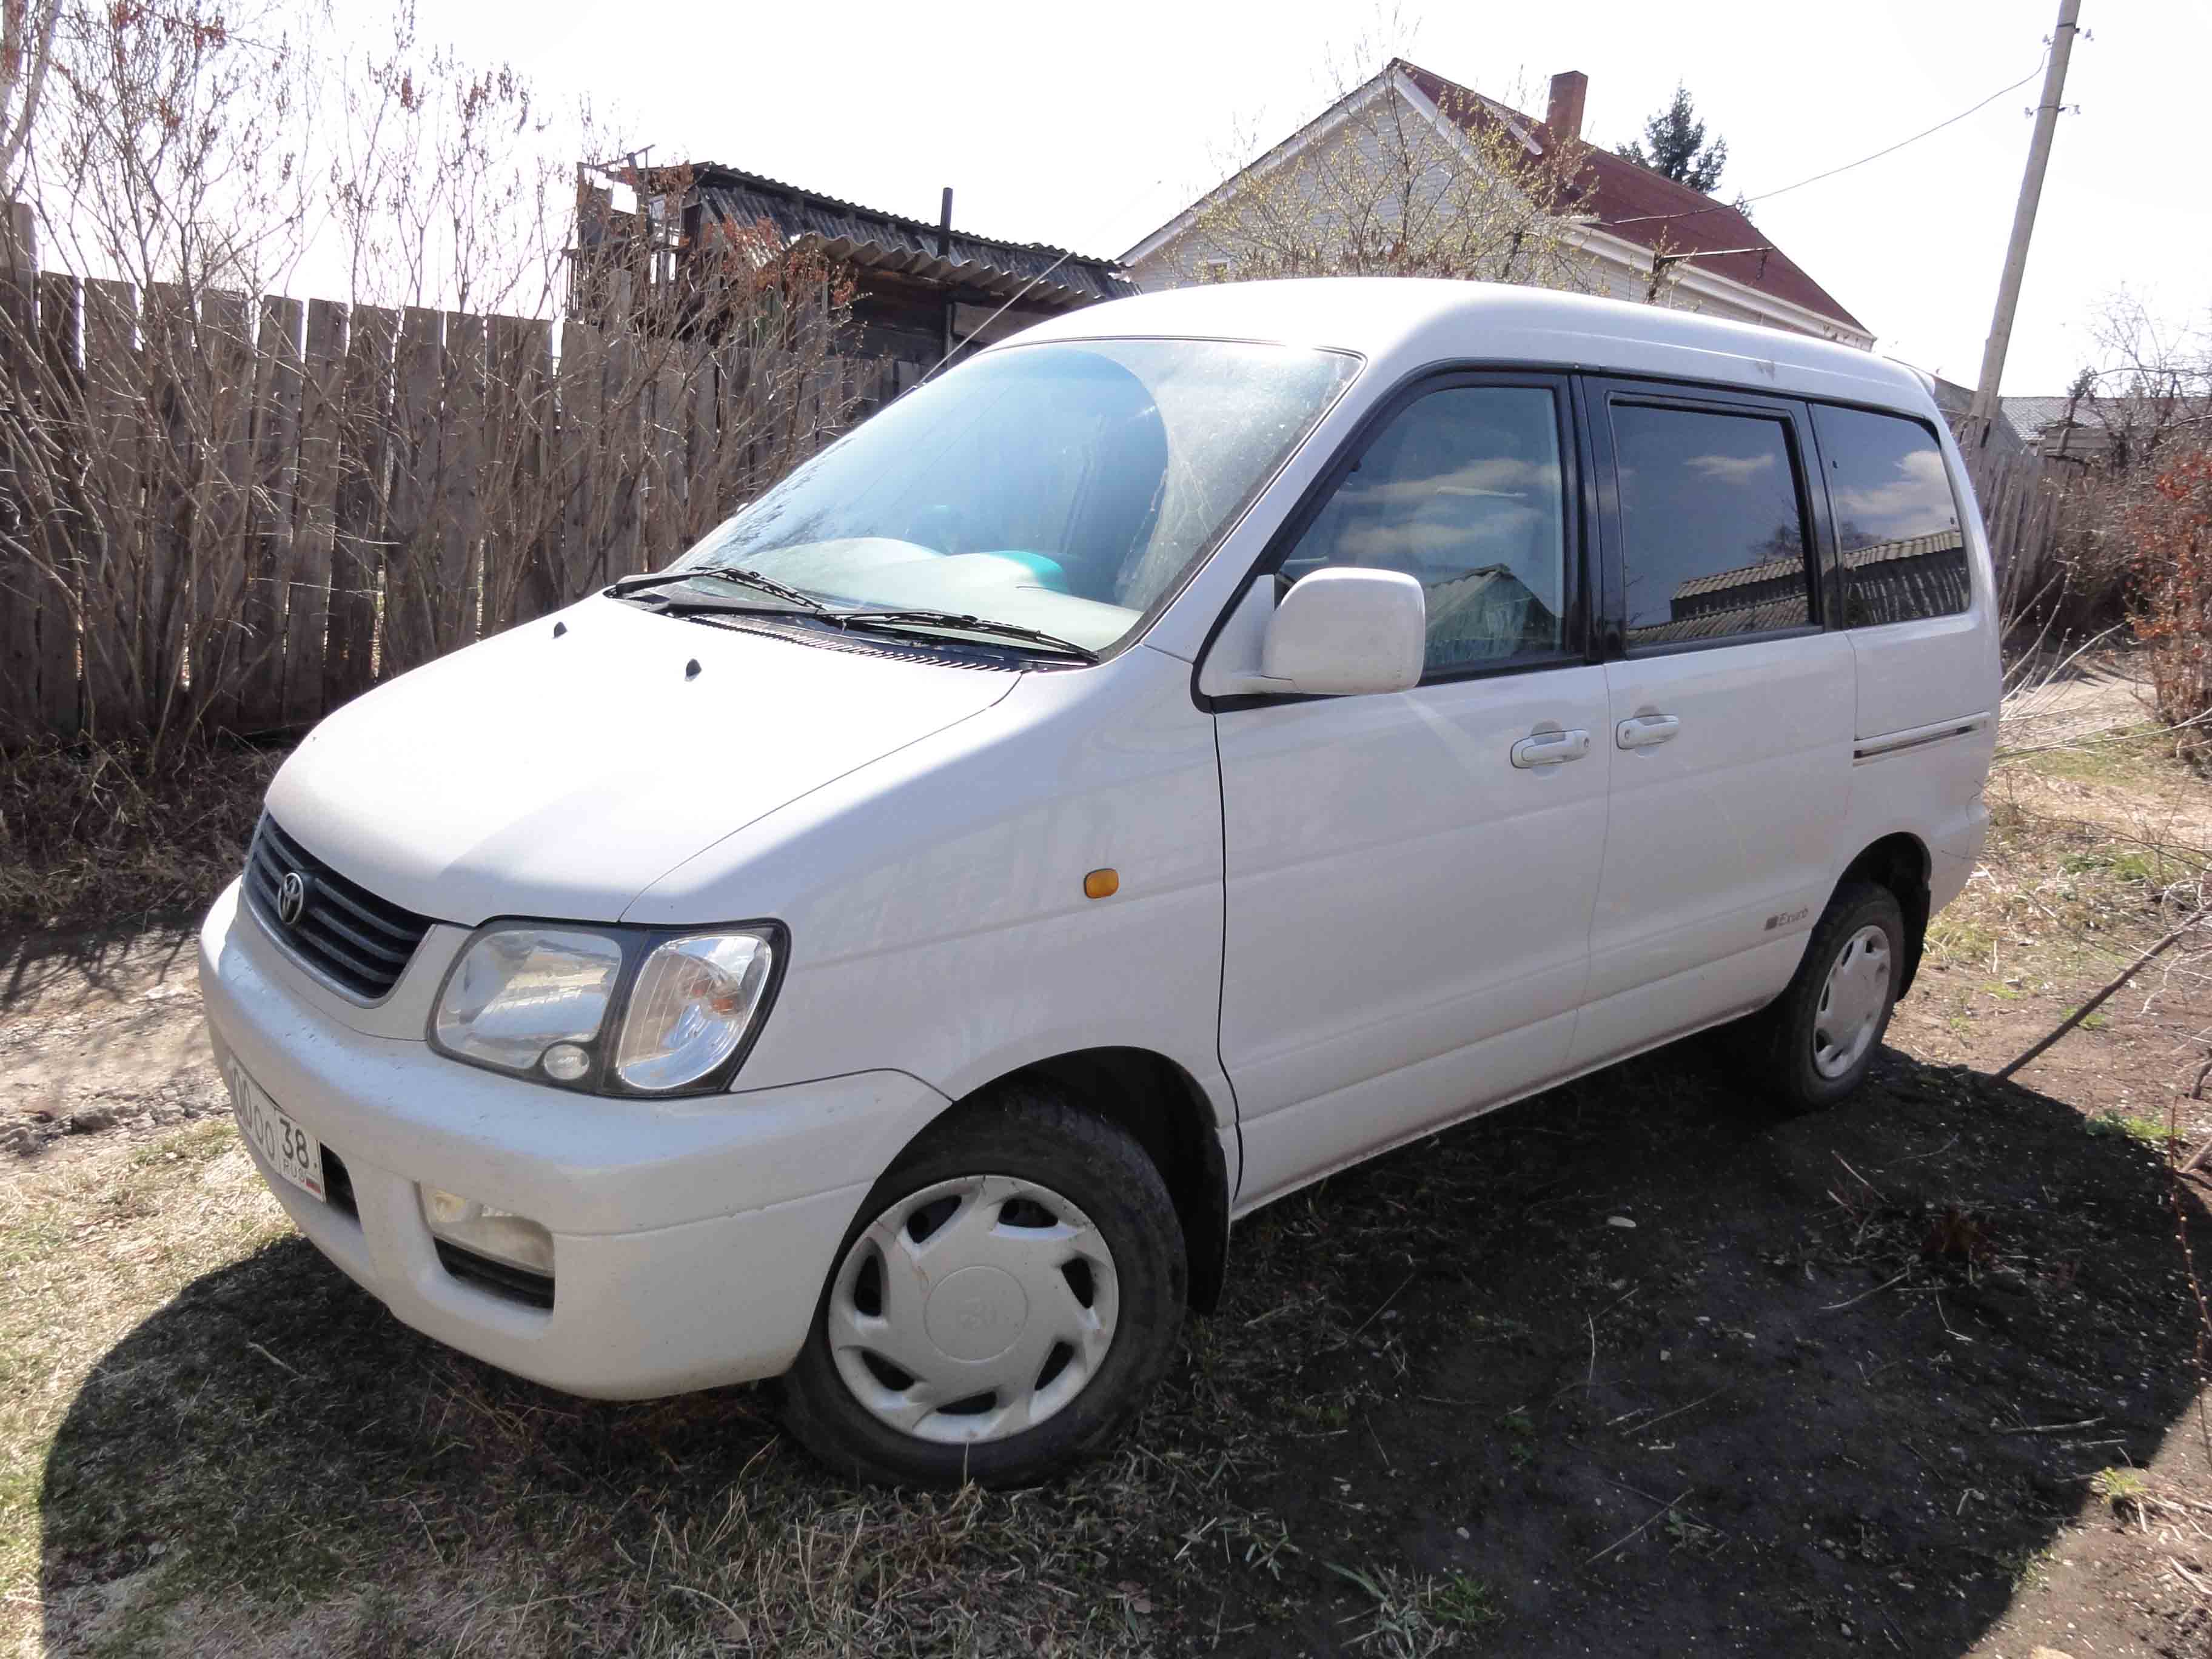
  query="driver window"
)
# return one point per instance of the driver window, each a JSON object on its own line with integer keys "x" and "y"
{"x": 1464, "y": 492}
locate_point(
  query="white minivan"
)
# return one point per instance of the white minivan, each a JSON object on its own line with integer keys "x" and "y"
{"x": 1198, "y": 744}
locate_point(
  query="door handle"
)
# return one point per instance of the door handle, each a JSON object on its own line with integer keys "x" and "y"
{"x": 1550, "y": 748}
{"x": 1645, "y": 729}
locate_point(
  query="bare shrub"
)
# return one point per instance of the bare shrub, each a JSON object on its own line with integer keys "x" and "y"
{"x": 2172, "y": 526}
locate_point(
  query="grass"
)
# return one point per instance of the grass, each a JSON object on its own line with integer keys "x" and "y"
{"x": 2152, "y": 1131}
{"x": 2092, "y": 851}
{"x": 1415, "y": 1614}
{"x": 2124, "y": 1489}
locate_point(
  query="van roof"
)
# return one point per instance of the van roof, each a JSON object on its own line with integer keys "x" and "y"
{"x": 1401, "y": 323}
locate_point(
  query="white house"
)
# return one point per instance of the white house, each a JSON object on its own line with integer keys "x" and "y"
{"x": 1624, "y": 218}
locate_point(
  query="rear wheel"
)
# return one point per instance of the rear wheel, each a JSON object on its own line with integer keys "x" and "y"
{"x": 1009, "y": 1292}
{"x": 1815, "y": 1042}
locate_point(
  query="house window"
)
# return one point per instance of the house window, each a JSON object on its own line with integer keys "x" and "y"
{"x": 1897, "y": 521}
{"x": 1213, "y": 270}
{"x": 1714, "y": 537}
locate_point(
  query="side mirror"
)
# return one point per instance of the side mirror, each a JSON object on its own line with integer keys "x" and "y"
{"x": 1346, "y": 630}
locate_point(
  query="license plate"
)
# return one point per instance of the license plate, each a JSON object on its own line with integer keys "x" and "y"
{"x": 295, "y": 1154}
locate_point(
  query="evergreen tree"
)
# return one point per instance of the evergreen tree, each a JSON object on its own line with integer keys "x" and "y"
{"x": 1677, "y": 145}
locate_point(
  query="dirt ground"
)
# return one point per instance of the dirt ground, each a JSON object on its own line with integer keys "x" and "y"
{"x": 1632, "y": 1368}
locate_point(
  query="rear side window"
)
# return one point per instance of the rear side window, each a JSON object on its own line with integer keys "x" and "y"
{"x": 1713, "y": 532}
{"x": 1897, "y": 521}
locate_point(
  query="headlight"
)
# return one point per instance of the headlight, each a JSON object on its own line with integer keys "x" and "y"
{"x": 611, "y": 1010}
{"x": 518, "y": 991}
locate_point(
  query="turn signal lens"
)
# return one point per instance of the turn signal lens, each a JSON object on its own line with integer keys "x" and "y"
{"x": 694, "y": 1001}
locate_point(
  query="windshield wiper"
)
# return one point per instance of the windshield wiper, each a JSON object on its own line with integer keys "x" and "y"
{"x": 887, "y": 622}
{"x": 630, "y": 585}
{"x": 805, "y": 605}
{"x": 893, "y": 620}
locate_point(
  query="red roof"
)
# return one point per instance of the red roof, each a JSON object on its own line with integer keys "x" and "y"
{"x": 1641, "y": 206}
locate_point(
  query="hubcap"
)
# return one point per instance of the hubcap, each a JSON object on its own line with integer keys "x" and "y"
{"x": 973, "y": 1310}
{"x": 1852, "y": 1002}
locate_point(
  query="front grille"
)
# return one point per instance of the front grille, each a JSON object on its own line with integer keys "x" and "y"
{"x": 501, "y": 1278}
{"x": 357, "y": 941}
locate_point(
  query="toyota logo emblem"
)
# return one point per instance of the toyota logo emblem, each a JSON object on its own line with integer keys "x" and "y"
{"x": 291, "y": 897}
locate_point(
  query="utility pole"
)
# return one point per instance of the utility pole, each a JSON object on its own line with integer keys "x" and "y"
{"x": 1984, "y": 410}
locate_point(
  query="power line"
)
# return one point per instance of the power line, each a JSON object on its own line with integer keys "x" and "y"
{"x": 1768, "y": 196}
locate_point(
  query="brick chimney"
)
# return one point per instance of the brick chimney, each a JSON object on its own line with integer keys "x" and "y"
{"x": 1564, "y": 115}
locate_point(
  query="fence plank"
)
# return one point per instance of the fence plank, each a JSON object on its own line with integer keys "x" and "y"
{"x": 224, "y": 387}
{"x": 702, "y": 505}
{"x": 579, "y": 562}
{"x": 115, "y": 404}
{"x": 167, "y": 626}
{"x": 359, "y": 509}
{"x": 622, "y": 454}
{"x": 665, "y": 418}
{"x": 22, "y": 584}
{"x": 737, "y": 434}
{"x": 267, "y": 536}
{"x": 68, "y": 531}
{"x": 460, "y": 507}
{"x": 519, "y": 578}
{"x": 410, "y": 566}
{"x": 306, "y": 439}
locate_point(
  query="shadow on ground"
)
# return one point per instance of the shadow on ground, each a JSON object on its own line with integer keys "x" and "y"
{"x": 91, "y": 962}
{"x": 1835, "y": 1389}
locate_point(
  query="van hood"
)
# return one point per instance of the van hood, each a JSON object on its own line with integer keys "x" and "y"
{"x": 560, "y": 775}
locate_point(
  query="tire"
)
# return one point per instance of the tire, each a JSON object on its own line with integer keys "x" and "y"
{"x": 1093, "y": 1301}
{"x": 1815, "y": 1043}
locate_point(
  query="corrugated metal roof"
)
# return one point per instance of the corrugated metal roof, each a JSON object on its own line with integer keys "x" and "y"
{"x": 2029, "y": 416}
{"x": 888, "y": 241}
{"x": 1758, "y": 617}
{"x": 1771, "y": 570}
{"x": 1911, "y": 547}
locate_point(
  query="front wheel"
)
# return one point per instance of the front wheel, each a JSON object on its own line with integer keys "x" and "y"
{"x": 1008, "y": 1294}
{"x": 1815, "y": 1042}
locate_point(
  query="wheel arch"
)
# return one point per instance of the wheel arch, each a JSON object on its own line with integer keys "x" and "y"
{"x": 1898, "y": 861}
{"x": 1170, "y": 1115}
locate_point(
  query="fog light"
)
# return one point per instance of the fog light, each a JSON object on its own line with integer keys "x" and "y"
{"x": 499, "y": 1234}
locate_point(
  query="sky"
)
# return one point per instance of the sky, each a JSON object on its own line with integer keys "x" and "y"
{"x": 1088, "y": 127}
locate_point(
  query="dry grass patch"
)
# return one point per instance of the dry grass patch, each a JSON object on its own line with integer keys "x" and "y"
{"x": 2095, "y": 849}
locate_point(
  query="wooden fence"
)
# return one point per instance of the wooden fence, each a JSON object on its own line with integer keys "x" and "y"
{"x": 2019, "y": 504}
{"x": 238, "y": 515}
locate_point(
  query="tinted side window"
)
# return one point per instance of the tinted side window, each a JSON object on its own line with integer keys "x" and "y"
{"x": 1714, "y": 537}
{"x": 1897, "y": 522}
{"x": 1463, "y": 491}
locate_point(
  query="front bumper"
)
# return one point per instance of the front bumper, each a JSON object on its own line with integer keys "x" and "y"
{"x": 690, "y": 1238}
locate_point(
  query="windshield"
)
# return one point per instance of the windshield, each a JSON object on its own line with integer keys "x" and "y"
{"x": 1063, "y": 488}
